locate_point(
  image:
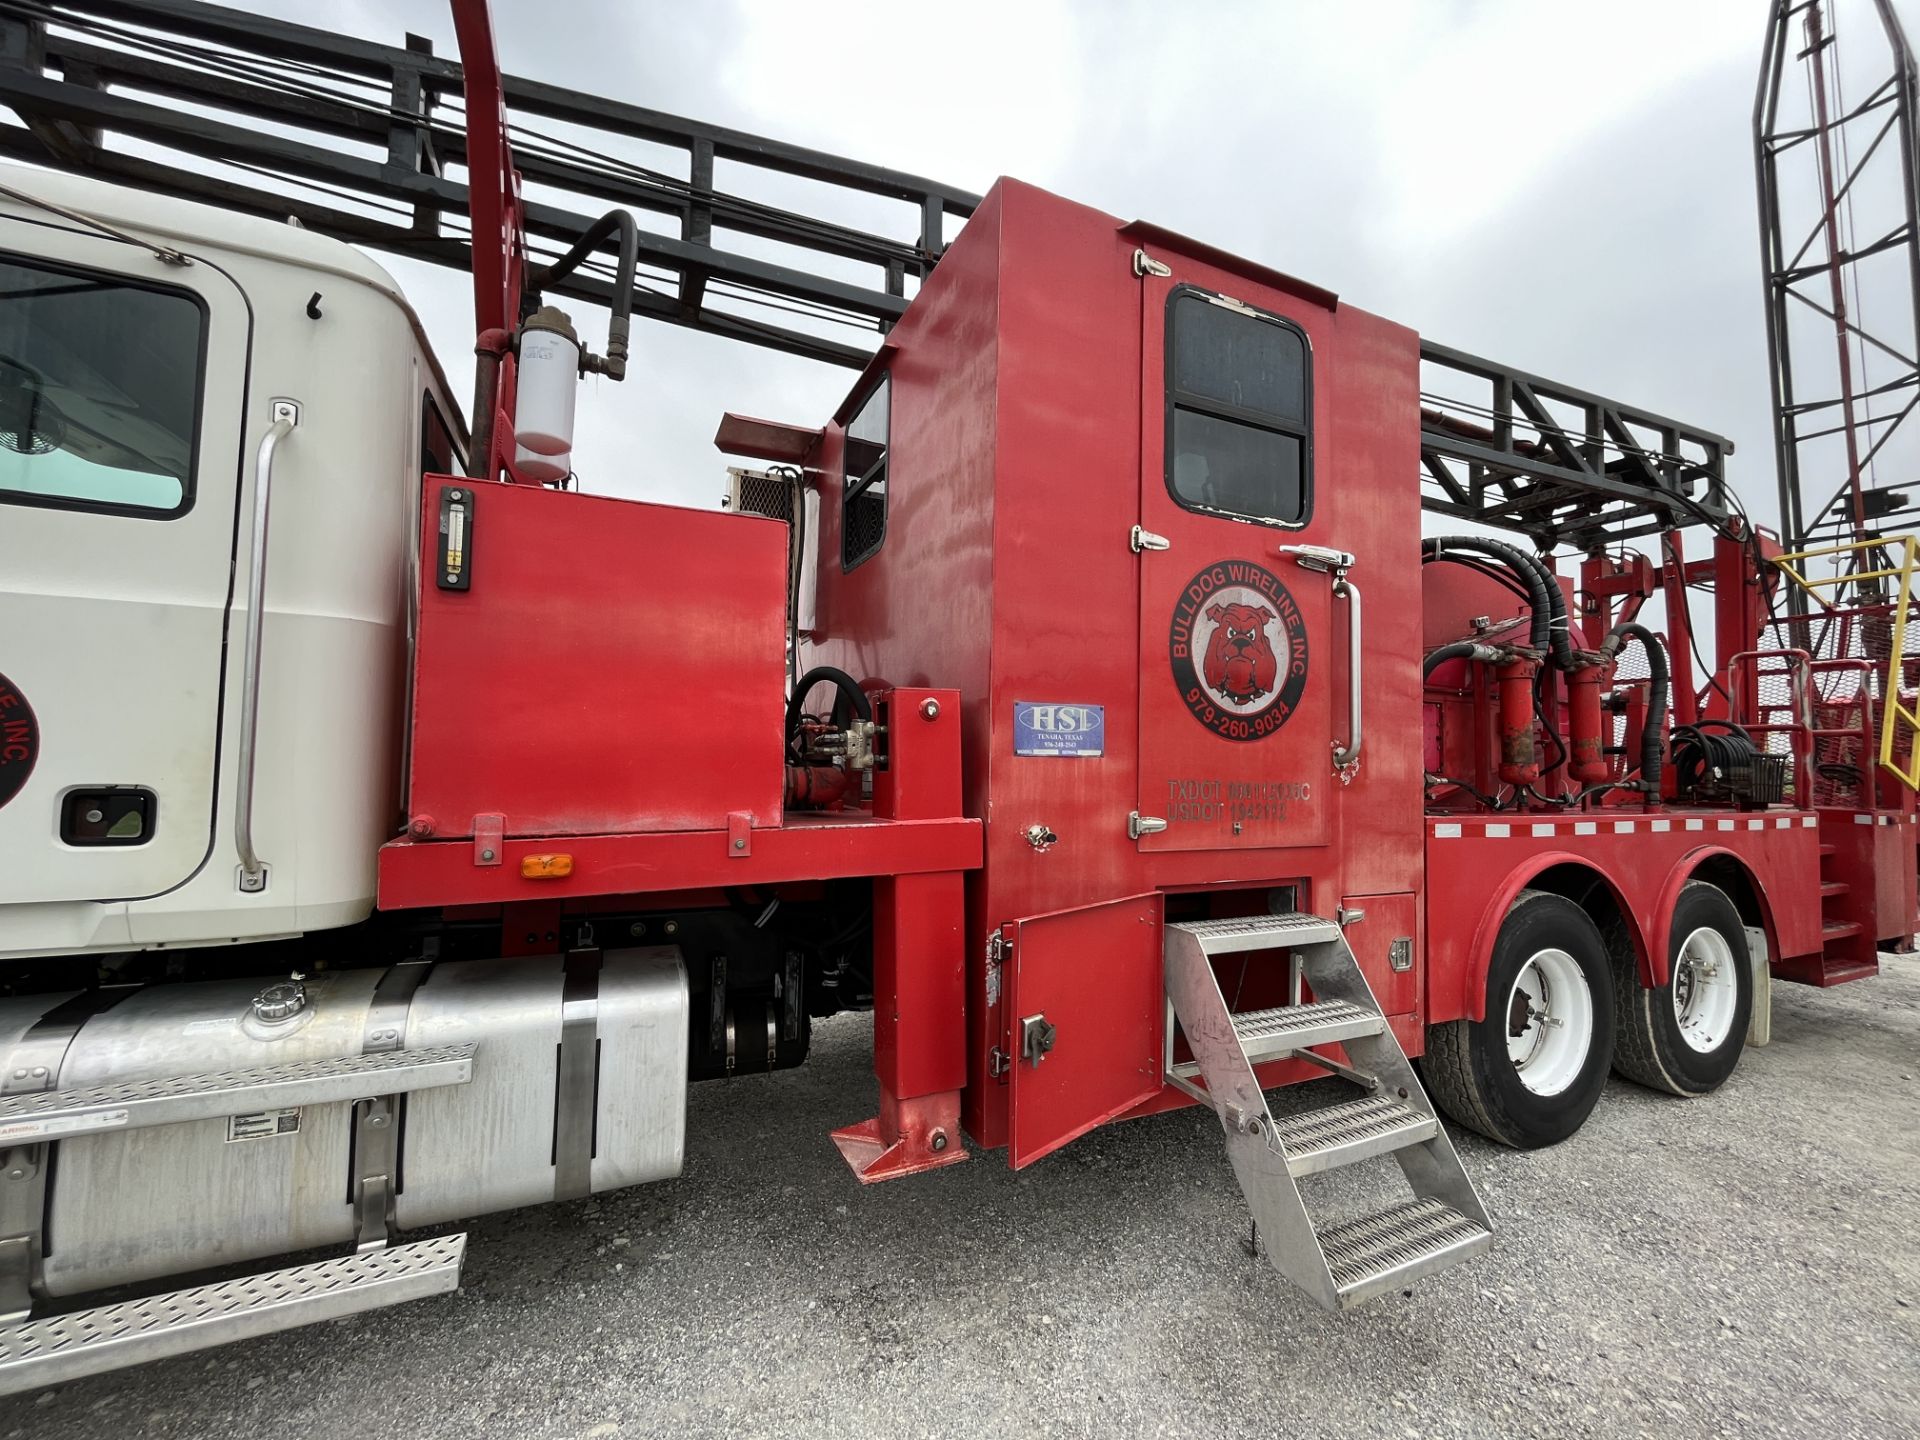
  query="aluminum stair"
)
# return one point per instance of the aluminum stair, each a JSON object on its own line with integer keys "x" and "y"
{"x": 1340, "y": 1264}
{"x": 85, "y": 1342}
{"x": 53, "y": 1349}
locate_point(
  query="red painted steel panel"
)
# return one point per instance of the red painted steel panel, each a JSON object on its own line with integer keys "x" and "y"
{"x": 920, "y": 968}
{"x": 615, "y": 667}
{"x": 1477, "y": 864}
{"x": 1386, "y": 921}
{"x": 1094, "y": 975}
{"x": 414, "y": 873}
{"x": 1018, "y": 416}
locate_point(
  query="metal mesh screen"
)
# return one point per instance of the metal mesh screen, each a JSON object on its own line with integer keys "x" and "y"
{"x": 1850, "y": 653}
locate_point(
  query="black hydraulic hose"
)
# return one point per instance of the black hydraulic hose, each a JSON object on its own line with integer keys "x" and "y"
{"x": 1542, "y": 592}
{"x": 615, "y": 364}
{"x": 1457, "y": 650}
{"x": 848, "y": 687}
{"x": 1505, "y": 579}
{"x": 1652, "y": 741}
{"x": 1552, "y": 631}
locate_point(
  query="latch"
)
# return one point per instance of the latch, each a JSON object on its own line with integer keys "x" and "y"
{"x": 998, "y": 1063}
{"x": 1400, "y": 955}
{"x": 1319, "y": 557}
{"x": 1138, "y": 824}
{"x": 1144, "y": 539}
{"x": 1036, "y": 1038}
{"x": 1145, "y": 265}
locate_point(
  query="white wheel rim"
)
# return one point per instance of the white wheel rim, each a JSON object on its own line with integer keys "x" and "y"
{"x": 1706, "y": 990}
{"x": 1549, "y": 1022}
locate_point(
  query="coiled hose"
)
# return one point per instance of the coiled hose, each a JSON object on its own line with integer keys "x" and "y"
{"x": 853, "y": 700}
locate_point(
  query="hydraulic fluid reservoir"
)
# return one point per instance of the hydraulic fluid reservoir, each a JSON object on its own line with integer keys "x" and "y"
{"x": 549, "y": 378}
{"x": 547, "y": 469}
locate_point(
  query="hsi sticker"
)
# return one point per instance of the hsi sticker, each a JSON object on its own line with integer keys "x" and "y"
{"x": 1048, "y": 728}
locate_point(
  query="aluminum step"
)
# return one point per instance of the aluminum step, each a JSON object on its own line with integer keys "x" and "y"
{"x": 53, "y": 1351}
{"x": 1258, "y": 932}
{"x": 1383, "y": 1252}
{"x": 1343, "y": 1134}
{"x": 1344, "y": 1264}
{"x": 50, "y": 1114}
{"x": 1270, "y": 1034}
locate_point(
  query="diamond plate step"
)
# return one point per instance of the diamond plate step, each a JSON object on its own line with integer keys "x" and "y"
{"x": 87, "y": 1342}
{"x": 1343, "y": 1134}
{"x": 1269, "y": 1034}
{"x": 50, "y": 1114}
{"x": 1383, "y": 1252}
{"x": 1258, "y": 932}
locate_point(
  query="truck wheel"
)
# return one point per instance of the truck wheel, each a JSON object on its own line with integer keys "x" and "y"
{"x": 1686, "y": 1036}
{"x": 1531, "y": 1072}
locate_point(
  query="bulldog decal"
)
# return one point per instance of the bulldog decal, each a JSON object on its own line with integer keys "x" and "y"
{"x": 1240, "y": 664}
{"x": 1239, "y": 649}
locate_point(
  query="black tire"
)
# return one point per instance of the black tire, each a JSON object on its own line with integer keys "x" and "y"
{"x": 1651, "y": 1048}
{"x": 1468, "y": 1067}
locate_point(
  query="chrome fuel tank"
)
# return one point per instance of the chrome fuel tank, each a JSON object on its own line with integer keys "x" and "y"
{"x": 579, "y": 1077}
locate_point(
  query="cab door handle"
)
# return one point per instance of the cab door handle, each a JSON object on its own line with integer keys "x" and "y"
{"x": 1346, "y": 757}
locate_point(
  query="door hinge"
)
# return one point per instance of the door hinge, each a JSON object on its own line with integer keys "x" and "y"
{"x": 1138, "y": 824}
{"x": 1145, "y": 265}
{"x": 1144, "y": 539}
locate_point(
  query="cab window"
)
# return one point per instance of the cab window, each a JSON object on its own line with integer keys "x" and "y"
{"x": 1239, "y": 407}
{"x": 863, "y": 493}
{"x": 99, "y": 390}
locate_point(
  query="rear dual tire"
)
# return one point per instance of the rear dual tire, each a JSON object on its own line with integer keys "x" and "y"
{"x": 1530, "y": 1072}
{"x": 1685, "y": 1037}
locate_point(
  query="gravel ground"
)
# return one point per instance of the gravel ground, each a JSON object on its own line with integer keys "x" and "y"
{"x": 1743, "y": 1265}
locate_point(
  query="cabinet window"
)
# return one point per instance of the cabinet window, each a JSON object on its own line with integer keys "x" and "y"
{"x": 1239, "y": 403}
{"x": 99, "y": 390}
{"x": 863, "y": 494}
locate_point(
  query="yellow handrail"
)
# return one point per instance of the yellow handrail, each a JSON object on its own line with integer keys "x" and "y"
{"x": 1893, "y": 706}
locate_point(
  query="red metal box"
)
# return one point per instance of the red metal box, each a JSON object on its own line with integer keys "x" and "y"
{"x": 587, "y": 665}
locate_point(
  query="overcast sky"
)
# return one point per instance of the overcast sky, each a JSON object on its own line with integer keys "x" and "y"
{"x": 1566, "y": 187}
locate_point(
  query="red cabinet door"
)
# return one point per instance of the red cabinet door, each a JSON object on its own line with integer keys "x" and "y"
{"x": 1239, "y": 658}
{"x": 1086, "y": 1008}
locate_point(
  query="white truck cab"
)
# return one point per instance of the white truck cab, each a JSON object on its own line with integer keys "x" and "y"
{"x": 147, "y": 346}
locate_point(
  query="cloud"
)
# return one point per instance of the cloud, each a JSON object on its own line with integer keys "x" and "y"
{"x": 1567, "y": 188}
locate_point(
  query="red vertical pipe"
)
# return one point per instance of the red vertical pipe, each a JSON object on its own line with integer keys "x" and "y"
{"x": 499, "y": 239}
{"x": 1586, "y": 757}
{"x": 1683, "y": 702}
{"x": 1519, "y": 754}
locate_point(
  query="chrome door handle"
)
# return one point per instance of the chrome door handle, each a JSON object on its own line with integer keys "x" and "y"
{"x": 1318, "y": 557}
{"x": 253, "y": 874}
{"x": 1346, "y": 758}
